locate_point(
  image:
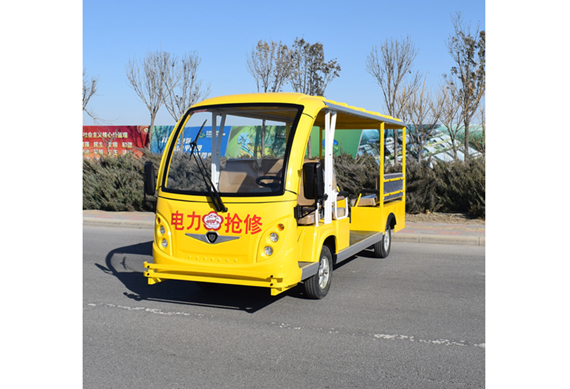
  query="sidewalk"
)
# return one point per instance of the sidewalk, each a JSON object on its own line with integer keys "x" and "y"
{"x": 459, "y": 234}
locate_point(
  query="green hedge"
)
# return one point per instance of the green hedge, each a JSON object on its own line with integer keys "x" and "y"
{"x": 451, "y": 187}
{"x": 116, "y": 183}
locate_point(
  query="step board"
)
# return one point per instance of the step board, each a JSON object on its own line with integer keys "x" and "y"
{"x": 359, "y": 240}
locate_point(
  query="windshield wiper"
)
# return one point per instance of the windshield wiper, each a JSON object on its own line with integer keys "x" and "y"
{"x": 212, "y": 191}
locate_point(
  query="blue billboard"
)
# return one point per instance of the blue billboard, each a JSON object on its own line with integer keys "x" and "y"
{"x": 160, "y": 135}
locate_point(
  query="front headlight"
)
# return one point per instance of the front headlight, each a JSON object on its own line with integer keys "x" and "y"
{"x": 271, "y": 243}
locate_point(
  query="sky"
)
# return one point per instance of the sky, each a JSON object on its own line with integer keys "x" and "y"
{"x": 223, "y": 32}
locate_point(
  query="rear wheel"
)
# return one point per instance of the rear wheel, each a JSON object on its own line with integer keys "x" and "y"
{"x": 318, "y": 285}
{"x": 382, "y": 248}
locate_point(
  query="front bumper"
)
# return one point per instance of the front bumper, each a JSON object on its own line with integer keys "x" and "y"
{"x": 278, "y": 275}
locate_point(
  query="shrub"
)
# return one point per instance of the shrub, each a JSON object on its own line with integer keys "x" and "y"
{"x": 352, "y": 174}
{"x": 117, "y": 183}
{"x": 433, "y": 186}
{"x": 461, "y": 186}
{"x": 421, "y": 188}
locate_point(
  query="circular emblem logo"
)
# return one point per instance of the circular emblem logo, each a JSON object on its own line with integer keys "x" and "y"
{"x": 212, "y": 221}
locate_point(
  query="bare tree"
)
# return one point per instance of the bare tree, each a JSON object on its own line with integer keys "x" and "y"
{"x": 89, "y": 89}
{"x": 391, "y": 65}
{"x": 422, "y": 110}
{"x": 270, "y": 65}
{"x": 468, "y": 52}
{"x": 310, "y": 73}
{"x": 451, "y": 111}
{"x": 149, "y": 78}
{"x": 183, "y": 89}
{"x": 108, "y": 140}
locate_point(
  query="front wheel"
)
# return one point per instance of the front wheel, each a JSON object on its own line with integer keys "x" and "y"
{"x": 382, "y": 248}
{"x": 318, "y": 285}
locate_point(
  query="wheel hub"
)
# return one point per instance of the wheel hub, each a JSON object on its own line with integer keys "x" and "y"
{"x": 324, "y": 272}
{"x": 386, "y": 240}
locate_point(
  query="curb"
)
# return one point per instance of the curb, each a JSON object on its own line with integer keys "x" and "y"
{"x": 441, "y": 239}
{"x": 409, "y": 238}
{"x": 90, "y": 221}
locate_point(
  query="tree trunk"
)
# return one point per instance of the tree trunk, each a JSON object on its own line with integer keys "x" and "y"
{"x": 263, "y": 139}
{"x": 152, "y": 117}
{"x": 466, "y": 140}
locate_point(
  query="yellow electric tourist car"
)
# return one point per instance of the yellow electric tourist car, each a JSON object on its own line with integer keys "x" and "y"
{"x": 259, "y": 209}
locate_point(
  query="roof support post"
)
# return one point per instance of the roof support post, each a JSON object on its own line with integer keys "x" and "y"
{"x": 382, "y": 167}
{"x": 330, "y": 192}
{"x": 216, "y": 147}
{"x": 403, "y": 163}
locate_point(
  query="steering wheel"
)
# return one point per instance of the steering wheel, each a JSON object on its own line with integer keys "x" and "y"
{"x": 273, "y": 185}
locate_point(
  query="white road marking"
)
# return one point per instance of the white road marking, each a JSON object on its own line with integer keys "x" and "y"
{"x": 155, "y": 311}
{"x": 444, "y": 342}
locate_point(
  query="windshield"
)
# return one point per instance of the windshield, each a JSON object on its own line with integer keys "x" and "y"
{"x": 237, "y": 150}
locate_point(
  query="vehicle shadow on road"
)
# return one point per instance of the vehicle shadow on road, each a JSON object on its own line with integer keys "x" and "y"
{"x": 127, "y": 265}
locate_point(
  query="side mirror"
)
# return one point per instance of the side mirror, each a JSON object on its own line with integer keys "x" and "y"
{"x": 313, "y": 181}
{"x": 149, "y": 179}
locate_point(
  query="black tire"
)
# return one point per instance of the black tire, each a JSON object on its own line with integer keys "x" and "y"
{"x": 317, "y": 286}
{"x": 382, "y": 248}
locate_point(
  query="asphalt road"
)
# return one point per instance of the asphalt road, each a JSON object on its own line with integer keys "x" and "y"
{"x": 413, "y": 320}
